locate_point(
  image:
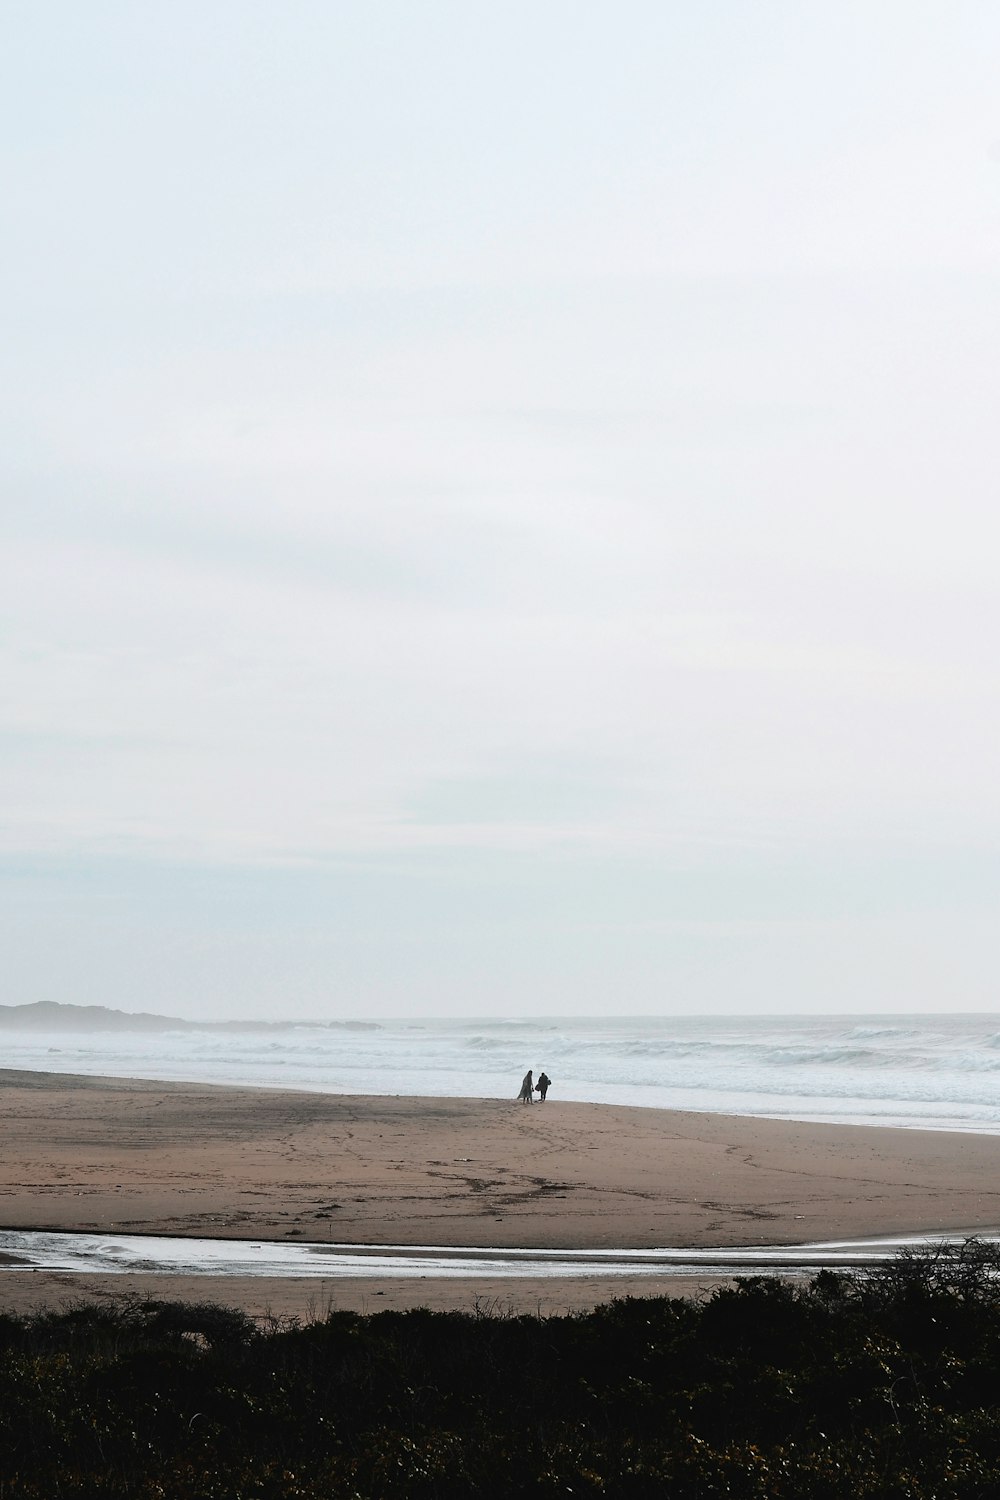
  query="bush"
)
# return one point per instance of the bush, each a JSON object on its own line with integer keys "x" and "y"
{"x": 880, "y": 1385}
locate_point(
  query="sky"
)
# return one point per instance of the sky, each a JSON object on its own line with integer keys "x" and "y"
{"x": 499, "y": 506}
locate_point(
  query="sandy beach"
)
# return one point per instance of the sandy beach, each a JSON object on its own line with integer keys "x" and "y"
{"x": 131, "y": 1156}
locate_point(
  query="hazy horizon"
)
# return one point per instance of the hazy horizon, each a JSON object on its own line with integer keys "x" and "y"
{"x": 642, "y": 1018}
{"x": 500, "y": 508}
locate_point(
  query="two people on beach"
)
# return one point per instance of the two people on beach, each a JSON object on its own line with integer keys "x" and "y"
{"x": 528, "y": 1087}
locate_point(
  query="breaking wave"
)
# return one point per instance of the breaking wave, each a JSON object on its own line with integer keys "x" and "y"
{"x": 936, "y": 1071}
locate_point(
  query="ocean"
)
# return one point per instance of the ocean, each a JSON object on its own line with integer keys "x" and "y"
{"x": 930, "y": 1071}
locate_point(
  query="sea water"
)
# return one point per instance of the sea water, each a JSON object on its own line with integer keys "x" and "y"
{"x": 931, "y": 1071}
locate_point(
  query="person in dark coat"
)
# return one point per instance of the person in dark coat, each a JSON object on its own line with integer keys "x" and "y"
{"x": 543, "y": 1085}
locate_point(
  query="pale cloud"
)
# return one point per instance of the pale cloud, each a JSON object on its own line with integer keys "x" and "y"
{"x": 525, "y": 452}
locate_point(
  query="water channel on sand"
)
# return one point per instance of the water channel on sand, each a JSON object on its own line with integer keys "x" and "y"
{"x": 39, "y": 1250}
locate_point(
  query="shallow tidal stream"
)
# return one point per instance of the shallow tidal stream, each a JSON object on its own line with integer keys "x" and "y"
{"x": 90, "y": 1254}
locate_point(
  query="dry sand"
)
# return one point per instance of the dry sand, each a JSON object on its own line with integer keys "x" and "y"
{"x": 133, "y": 1156}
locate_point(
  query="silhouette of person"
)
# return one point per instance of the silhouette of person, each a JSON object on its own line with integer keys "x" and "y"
{"x": 543, "y": 1085}
{"x": 526, "y": 1089}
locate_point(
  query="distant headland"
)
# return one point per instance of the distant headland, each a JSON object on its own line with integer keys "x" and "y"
{"x": 54, "y": 1015}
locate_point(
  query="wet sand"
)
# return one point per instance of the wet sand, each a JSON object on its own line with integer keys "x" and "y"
{"x": 129, "y": 1156}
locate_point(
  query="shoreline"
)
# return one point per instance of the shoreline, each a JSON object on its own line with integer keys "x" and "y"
{"x": 111, "y": 1155}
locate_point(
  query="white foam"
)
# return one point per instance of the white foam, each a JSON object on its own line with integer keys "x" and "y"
{"x": 937, "y": 1072}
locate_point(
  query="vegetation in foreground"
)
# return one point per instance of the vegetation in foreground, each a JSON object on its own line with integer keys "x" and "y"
{"x": 884, "y": 1385}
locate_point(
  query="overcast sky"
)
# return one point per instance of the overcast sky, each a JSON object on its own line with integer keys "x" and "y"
{"x": 500, "y": 506}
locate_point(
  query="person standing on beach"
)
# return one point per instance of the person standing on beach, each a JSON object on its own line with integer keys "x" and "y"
{"x": 543, "y": 1085}
{"x": 527, "y": 1088}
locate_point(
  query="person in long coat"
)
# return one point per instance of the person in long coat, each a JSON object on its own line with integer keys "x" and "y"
{"x": 527, "y": 1089}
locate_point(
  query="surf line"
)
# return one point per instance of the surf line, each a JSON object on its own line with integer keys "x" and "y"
{"x": 120, "y": 1254}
